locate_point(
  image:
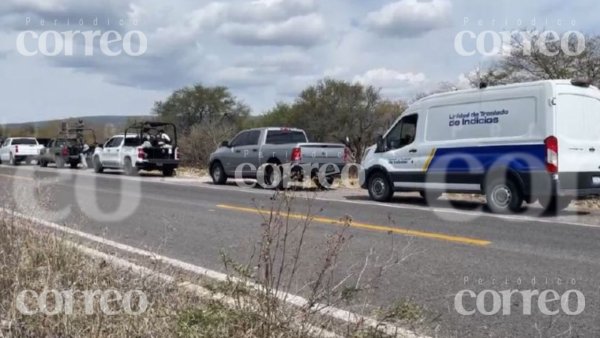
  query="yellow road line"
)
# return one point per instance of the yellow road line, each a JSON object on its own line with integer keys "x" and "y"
{"x": 373, "y": 227}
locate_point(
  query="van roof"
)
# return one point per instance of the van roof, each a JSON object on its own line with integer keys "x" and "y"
{"x": 492, "y": 88}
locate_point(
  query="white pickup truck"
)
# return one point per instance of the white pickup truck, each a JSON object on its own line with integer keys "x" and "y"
{"x": 15, "y": 150}
{"x": 130, "y": 153}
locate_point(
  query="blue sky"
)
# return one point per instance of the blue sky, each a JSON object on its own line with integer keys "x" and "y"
{"x": 264, "y": 50}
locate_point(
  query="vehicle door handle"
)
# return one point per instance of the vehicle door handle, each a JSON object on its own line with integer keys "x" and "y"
{"x": 238, "y": 151}
{"x": 592, "y": 149}
{"x": 254, "y": 150}
{"x": 412, "y": 151}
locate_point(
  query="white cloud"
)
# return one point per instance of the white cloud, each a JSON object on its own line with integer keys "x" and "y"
{"x": 389, "y": 78}
{"x": 304, "y": 31}
{"x": 410, "y": 18}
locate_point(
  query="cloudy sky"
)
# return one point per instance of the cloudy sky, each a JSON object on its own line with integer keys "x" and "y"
{"x": 263, "y": 50}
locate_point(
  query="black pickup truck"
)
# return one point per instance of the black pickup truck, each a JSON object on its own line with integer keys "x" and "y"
{"x": 67, "y": 149}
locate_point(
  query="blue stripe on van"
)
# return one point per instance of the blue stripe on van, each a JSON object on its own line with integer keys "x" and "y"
{"x": 521, "y": 158}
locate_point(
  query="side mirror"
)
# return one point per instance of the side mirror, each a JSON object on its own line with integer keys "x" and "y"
{"x": 380, "y": 144}
{"x": 225, "y": 144}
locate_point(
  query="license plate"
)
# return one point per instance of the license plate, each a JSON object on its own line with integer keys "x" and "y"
{"x": 596, "y": 180}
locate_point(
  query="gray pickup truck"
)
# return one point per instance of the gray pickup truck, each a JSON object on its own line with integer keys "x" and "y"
{"x": 256, "y": 153}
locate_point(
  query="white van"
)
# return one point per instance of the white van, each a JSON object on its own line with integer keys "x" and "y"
{"x": 513, "y": 143}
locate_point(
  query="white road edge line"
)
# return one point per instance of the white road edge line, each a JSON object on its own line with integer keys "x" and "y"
{"x": 291, "y": 299}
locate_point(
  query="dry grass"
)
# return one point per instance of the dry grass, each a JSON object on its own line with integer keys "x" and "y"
{"x": 252, "y": 305}
{"x": 30, "y": 260}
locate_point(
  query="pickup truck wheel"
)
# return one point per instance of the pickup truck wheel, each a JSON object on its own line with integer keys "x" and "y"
{"x": 60, "y": 162}
{"x": 168, "y": 172}
{"x": 271, "y": 176}
{"x": 43, "y": 163}
{"x": 379, "y": 187}
{"x": 12, "y": 160}
{"x": 218, "y": 174}
{"x": 98, "y": 165}
{"x": 328, "y": 181}
{"x": 503, "y": 196}
{"x": 130, "y": 170}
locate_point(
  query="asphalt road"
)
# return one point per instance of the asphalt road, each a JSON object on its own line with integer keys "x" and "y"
{"x": 444, "y": 250}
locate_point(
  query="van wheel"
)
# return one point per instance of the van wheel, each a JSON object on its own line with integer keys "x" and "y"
{"x": 555, "y": 204}
{"x": 43, "y": 163}
{"x": 380, "y": 188}
{"x": 73, "y": 165}
{"x": 98, "y": 165}
{"x": 217, "y": 173}
{"x": 503, "y": 196}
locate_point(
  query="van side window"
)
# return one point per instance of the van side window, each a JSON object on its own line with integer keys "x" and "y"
{"x": 403, "y": 133}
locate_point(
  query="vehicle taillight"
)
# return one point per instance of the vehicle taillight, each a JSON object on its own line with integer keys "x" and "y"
{"x": 65, "y": 151}
{"x": 296, "y": 154}
{"x": 176, "y": 153}
{"x": 16, "y": 149}
{"x": 551, "y": 154}
{"x": 141, "y": 153}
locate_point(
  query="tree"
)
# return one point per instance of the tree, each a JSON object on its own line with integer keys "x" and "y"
{"x": 533, "y": 56}
{"x": 196, "y": 105}
{"x": 337, "y": 111}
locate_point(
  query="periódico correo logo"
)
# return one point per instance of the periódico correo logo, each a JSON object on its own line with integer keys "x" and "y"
{"x": 549, "y": 302}
{"x": 54, "y": 43}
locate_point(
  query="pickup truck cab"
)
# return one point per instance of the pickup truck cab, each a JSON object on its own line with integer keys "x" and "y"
{"x": 287, "y": 148}
{"x": 15, "y": 150}
{"x": 138, "y": 150}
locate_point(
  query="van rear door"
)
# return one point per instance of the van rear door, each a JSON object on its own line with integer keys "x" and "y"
{"x": 578, "y": 134}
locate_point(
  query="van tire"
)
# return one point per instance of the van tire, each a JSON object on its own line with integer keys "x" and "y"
{"x": 379, "y": 187}
{"x": 73, "y": 165}
{"x": 503, "y": 196}
{"x": 555, "y": 204}
{"x": 217, "y": 173}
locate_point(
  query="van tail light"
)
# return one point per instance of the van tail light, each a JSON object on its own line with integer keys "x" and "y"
{"x": 296, "y": 154}
{"x": 16, "y": 149}
{"x": 141, "y": 153}
{"x": 65, "y": 151}
{"x": 551, "y": 144}
{"x": 177, "y": 153}
{"x": 347, "y": 155}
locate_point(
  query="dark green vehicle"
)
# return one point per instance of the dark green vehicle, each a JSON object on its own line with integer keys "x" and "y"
{"x": 69, "y": 148}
